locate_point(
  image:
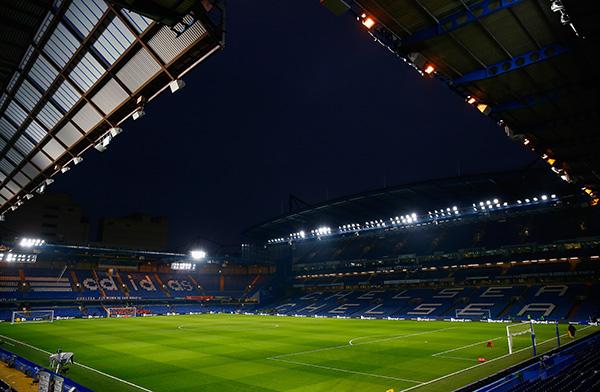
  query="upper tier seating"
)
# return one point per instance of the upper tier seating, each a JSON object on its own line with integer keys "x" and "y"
{"x": 517, "y": 302}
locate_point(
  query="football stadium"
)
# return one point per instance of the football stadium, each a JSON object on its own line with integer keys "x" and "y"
{"x": 473, "y": 282}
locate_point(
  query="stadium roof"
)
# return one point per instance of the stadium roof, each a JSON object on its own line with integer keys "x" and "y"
{"x": 418, "y": 196}
{"x": 71, "y": 71}
{"x": 528, "y": 64}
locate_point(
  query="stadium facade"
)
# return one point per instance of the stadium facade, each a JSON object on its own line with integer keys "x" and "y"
{"x": 516, "y": 247}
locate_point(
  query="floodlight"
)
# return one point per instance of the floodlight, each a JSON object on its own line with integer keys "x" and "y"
{"x": 471, "y": 100}
{"x": 198, "y": 254}
{"x": 77, "y": 160}
{"x": 176, "y": 85}
{"x": 553, "y": 196}
{"x": 557, "y": 6}
{"x": 41, "y": 189}
{"x": 139, "y": 113}
{"x": 367, "y": 21}
{"x": 65, "y": 169}
{"x": 100, "y": 147}
{"x": 544, "y": 197}
{"x": 483, "y": 108}
{"x": 28, "y": 196}
{"x": 495, "y": 201}
{"x": 31, "y": 242}
{"x": 49, "y": 181}
{"x": 429, "y": 69}
{"x": 114, "y": 131}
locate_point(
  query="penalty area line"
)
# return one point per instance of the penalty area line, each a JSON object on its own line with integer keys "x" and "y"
{"x": 461, "y": 347}
{"x": 80, "y": 365}
{"x": 346, "y": 371}
{"x": 481, "y": 364}
{"x": 351, "y": 344}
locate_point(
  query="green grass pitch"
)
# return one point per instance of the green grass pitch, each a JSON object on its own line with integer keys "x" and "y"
{"x": 266, "y": 353}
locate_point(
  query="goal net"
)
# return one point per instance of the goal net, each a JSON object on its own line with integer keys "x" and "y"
{"x": 32, "y": 316}
{"x": 121, "y": 312}
{"x": 520, "y": 336}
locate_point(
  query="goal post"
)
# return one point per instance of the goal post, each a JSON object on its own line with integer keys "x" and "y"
{"x": 117, "y": 312}
{"x": 32, "y": 316}
{"x": 515, "y": 330}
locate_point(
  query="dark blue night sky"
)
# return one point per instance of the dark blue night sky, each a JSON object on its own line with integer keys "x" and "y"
{"x": 299, "y": 102}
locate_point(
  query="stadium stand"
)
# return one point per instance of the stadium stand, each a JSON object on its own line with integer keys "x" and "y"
{"x": 575, "y": 367}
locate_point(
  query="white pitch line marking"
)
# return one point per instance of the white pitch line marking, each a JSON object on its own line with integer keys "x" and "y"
{"x": 81, "y": 365}
{"x": 350, "y": 342}
{"x": 461, "y": 347}
{"x": 346, "y": 371}
{"x": 480, "y": 364}
{"x": 278, "y": 357}
{"x": 404, "y": 336}
{"x": 317, "y": 350}
{"x": 193, "y": 326}
{"x": 459, "y": 358}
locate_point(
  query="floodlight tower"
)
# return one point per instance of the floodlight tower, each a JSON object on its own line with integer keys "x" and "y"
{"x": 198, "y": 254}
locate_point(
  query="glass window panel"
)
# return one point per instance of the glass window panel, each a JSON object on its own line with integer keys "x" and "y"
{"x": 13, "y": 187}
{"x": 168, "y": 45}
{"x": 139, "y": 22}
{"x": 41, "y": 160}
{"x": 6, "y": 166}
{"x": 66, "y": 96}
{"x": 35, "y": 131}
{"x": 84, "y": 14}
{"x": 138, "y": 70}
{"x": 24, "y": 145}
{"x": 110, "y": 96}
{"x": 87, "y": 71}
{"x": 15, "y": 113}
{"x": 49, "y": 115}
{"x": 7, "y": 130}
{"x": 21, "y": 179}
{"x": 87, "y": 118}
{"x": 113, "y": 41}
{"x": 30, "y": 170}
{"x": 43, "y": 73}
{"x": 69, "y": 135}
{"x": 6, "y": 193}
{"x": 28, "y": 95}
{"x": 53, "y": 149}
{"x": 61, "y": 46}
{"x": 14, "y": 156}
